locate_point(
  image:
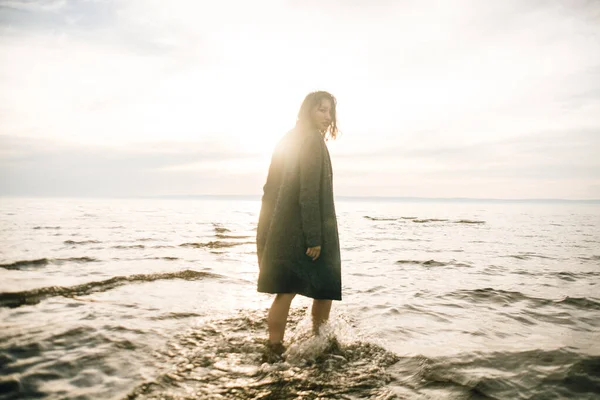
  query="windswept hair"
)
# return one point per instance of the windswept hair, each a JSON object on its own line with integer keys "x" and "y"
{"x": 313, "y": 100}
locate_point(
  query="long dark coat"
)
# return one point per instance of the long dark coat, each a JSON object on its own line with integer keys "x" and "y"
{"x": 298, "y": 212}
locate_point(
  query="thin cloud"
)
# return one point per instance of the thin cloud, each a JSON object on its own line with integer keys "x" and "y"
{"x": 435, "y": 97}
{"x": 35, "y": 167}
{"x": 34, "y": 5}
{"x": 52, "y": 15}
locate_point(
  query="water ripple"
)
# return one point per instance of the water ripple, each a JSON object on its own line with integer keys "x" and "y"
{"x": 31, "y": 297}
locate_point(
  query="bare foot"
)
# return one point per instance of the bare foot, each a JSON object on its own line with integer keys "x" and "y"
{"x": 273, "y": 353}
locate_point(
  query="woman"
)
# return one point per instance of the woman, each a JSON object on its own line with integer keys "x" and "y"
{"x": 297, "y": 237}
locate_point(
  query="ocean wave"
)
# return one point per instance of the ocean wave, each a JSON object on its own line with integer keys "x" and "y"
{"x": 420, "y": 310}
{"x": 567, "y": 276}
{"x": 75, "y": 242}
{"x": 580, "y": 302}
{"x": 46, "y": 227}
{"x": 493, "y": 270}
{"x": 222, "y": 236}
{"x": 34, "y": 296}
{"x": 591, "y": 258}
{"x": 175, "y": 315}
{"x": 433, "y": 263}
{"x": 529, "y": 255}
{"x": 426, "y": 220}
{"x": 497, "y": 295}
{"x": 45, "y": 261}
{"x": 166, "y": 258}
{"x": 508, "y": 297}
{"x": 387, "y": 218}
{"x": 379, "y": 218}
{"x": 214, "y": 244}
{"x": 220, "y": 229}
{"x": 29, "y": 370}
{"x": 428, "y": 263}
{"x": 131, "y": 246}
{"x": 534, "y": 374}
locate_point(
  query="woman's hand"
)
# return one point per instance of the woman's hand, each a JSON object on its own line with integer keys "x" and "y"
{"x": 314, "y": 252}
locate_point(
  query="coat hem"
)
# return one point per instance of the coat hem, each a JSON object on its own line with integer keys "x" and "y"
{"x": 336, "y": 298}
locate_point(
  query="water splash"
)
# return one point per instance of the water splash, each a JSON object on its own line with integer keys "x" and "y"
{"x": 222, "y": 359}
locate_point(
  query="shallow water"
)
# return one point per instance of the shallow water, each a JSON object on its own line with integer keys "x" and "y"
{"x": 148, "y": 298}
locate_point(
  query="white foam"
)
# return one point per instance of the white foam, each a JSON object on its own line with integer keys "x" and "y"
{"x": 304, "y": 345}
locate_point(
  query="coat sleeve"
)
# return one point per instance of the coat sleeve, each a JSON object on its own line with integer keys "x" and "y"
{"x": 311, "y": 163}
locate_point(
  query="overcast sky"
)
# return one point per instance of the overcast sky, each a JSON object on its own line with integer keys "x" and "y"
{"x": 449, "y": 98}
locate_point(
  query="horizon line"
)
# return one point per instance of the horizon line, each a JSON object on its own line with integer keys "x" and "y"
{"x": 340, "y": 197}
{"x": 384, "y": 198}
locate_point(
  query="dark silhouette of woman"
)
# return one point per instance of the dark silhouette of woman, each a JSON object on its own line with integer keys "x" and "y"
{"x": 297, "y": 238}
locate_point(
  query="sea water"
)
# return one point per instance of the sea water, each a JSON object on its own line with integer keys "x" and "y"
{"x": 156, "y": 299}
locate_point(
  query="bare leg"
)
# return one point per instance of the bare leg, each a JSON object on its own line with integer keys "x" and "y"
{"x": 320, "y": 313}
{"x": 277, "y": 317}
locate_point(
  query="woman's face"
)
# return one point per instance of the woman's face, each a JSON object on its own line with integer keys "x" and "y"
{"x": 321, "y": 115}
